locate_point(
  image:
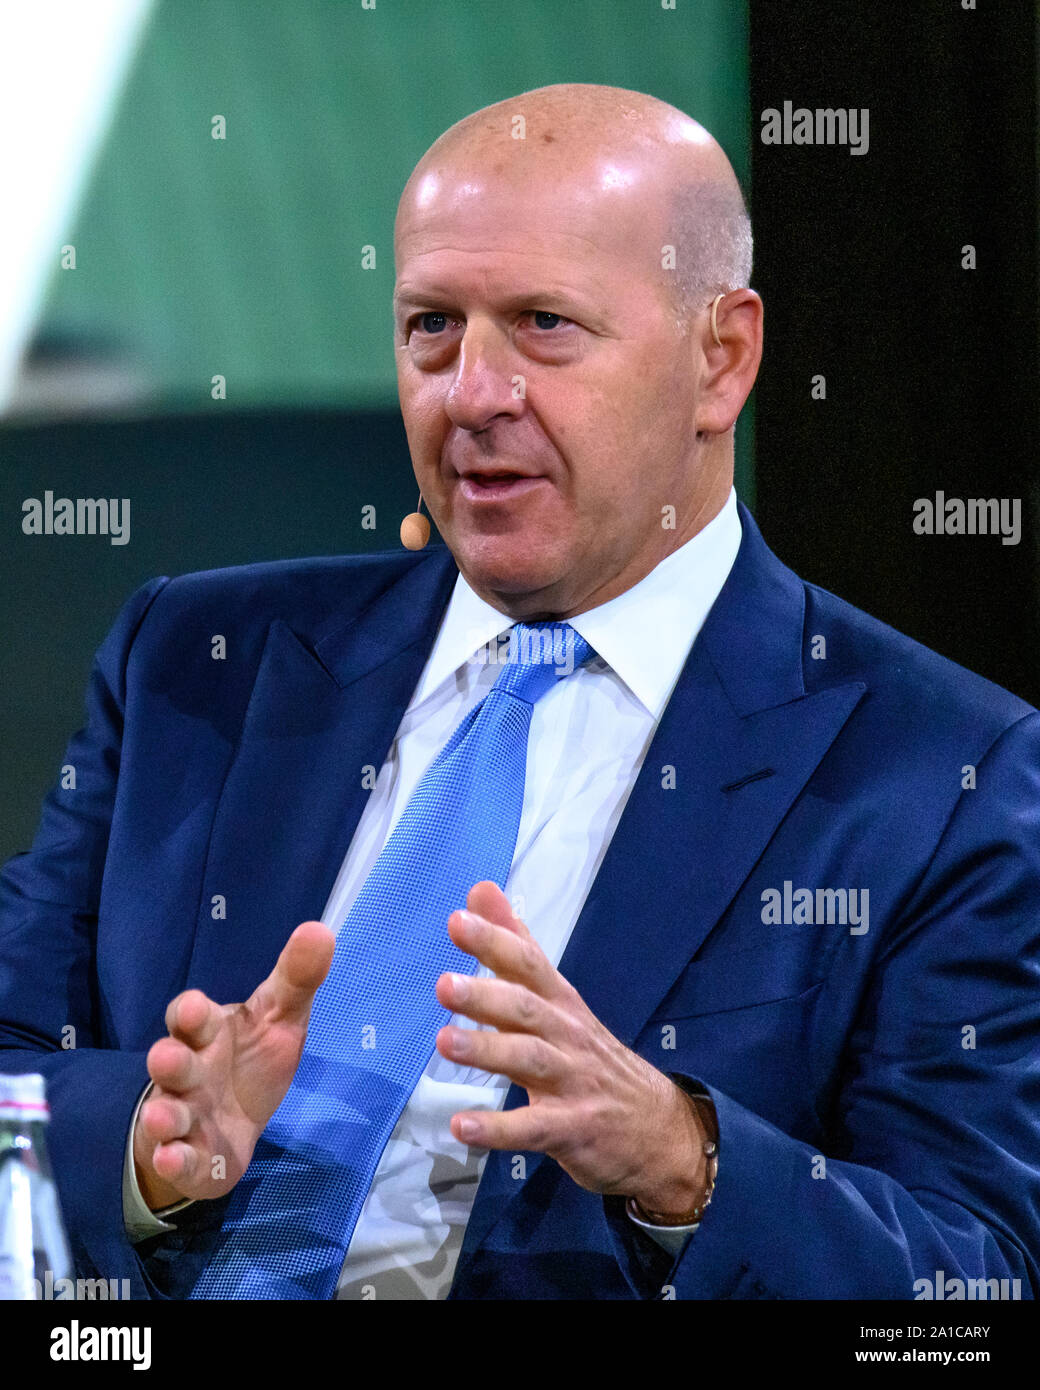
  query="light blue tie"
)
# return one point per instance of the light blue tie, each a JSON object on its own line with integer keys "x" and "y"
{"x": 290, "y": 1219}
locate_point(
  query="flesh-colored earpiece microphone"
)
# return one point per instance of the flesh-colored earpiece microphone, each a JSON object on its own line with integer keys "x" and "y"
{"x": 415, "y": 529}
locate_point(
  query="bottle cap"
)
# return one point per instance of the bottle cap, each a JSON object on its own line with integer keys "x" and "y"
{"x": 23, "y": 1097}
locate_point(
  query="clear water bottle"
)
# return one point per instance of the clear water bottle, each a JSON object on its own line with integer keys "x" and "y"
{"x": 32, "y": 1234}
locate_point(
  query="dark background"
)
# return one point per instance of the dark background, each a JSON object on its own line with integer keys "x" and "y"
{"x": 931, "y": 376}
{"x": 931, "y": 370}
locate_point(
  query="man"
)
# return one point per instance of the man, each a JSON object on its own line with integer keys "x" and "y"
{"x": 765, "y": 1019}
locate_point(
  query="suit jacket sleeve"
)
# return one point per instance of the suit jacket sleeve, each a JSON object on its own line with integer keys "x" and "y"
{"x": 932, "y": 1164}
{"x": 52, "y": 1013}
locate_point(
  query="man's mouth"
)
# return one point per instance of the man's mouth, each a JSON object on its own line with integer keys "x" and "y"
{"x": 497, "y": 485}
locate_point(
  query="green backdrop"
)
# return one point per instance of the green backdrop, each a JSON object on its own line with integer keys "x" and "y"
{"x": 242, "y": 257}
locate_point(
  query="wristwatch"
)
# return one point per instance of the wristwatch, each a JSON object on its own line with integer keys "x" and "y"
{"x": 706, "y": 1110}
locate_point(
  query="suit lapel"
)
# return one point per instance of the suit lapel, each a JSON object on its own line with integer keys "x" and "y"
{"x": 737, "y": 742}
{"x": 680, "y": 854}
{"x": 318, "y": 716}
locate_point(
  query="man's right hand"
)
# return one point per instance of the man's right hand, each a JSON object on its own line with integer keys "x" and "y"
{"x": 222, "y": 1073}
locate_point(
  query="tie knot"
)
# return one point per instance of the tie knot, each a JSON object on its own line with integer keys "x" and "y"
{"x": 540, "y": 654}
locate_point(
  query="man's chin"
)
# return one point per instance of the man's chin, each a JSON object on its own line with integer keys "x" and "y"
{"x": 502, "y": 570}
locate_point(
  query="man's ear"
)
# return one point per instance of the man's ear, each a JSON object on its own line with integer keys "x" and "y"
{"x": 729, "y": 370}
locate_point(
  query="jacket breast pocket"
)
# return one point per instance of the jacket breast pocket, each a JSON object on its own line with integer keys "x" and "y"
{"x": 790, "y": 965}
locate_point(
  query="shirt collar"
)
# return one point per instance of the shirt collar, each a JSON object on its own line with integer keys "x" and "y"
{"x": 673, "y": 600}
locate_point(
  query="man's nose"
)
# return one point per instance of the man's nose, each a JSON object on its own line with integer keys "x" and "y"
{"x": 486, "y": 382}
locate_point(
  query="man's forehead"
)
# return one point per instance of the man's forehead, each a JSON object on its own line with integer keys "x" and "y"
{"x": 541, "y": 226}
{"x": 503, "y": 188}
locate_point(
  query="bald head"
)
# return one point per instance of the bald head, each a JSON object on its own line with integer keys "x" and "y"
{"x": 569, "y": 412}
{"x": 609, "y": 147}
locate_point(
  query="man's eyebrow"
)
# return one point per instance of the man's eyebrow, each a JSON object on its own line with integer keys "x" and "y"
{"x": 410, "y": 296}
{"x": 526, "y": 299}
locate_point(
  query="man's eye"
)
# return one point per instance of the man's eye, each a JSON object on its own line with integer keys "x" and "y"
{"x": 433, "y": 322}
{"x": 540, "y": 317}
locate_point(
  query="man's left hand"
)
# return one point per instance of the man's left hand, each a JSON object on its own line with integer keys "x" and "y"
{"x": 611, "y": 1120}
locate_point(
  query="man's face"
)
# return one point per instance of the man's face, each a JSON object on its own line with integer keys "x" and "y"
{"x": 535, "y": 341}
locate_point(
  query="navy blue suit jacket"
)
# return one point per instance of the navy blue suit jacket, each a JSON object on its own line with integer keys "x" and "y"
{"x": 877, "y": 1092}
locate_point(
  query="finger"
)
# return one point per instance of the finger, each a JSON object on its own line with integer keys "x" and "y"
{"x": 193, "y": 1018}
{"x": 528, "y": 1128}
{"x": 164, "y": 1118}
{"x": 511, "y": 957}
{"x": 487, "y": 900}
{"x": 529, "y": 1061}
{"x": 300, "y": 970}
{"x": 175, "y": 1163}
{"x": 173, "y": 1066}
{"x": 502, "y": 1004}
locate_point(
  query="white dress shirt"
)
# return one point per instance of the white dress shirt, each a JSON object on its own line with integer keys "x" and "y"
{"x": 589, "y": 735}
